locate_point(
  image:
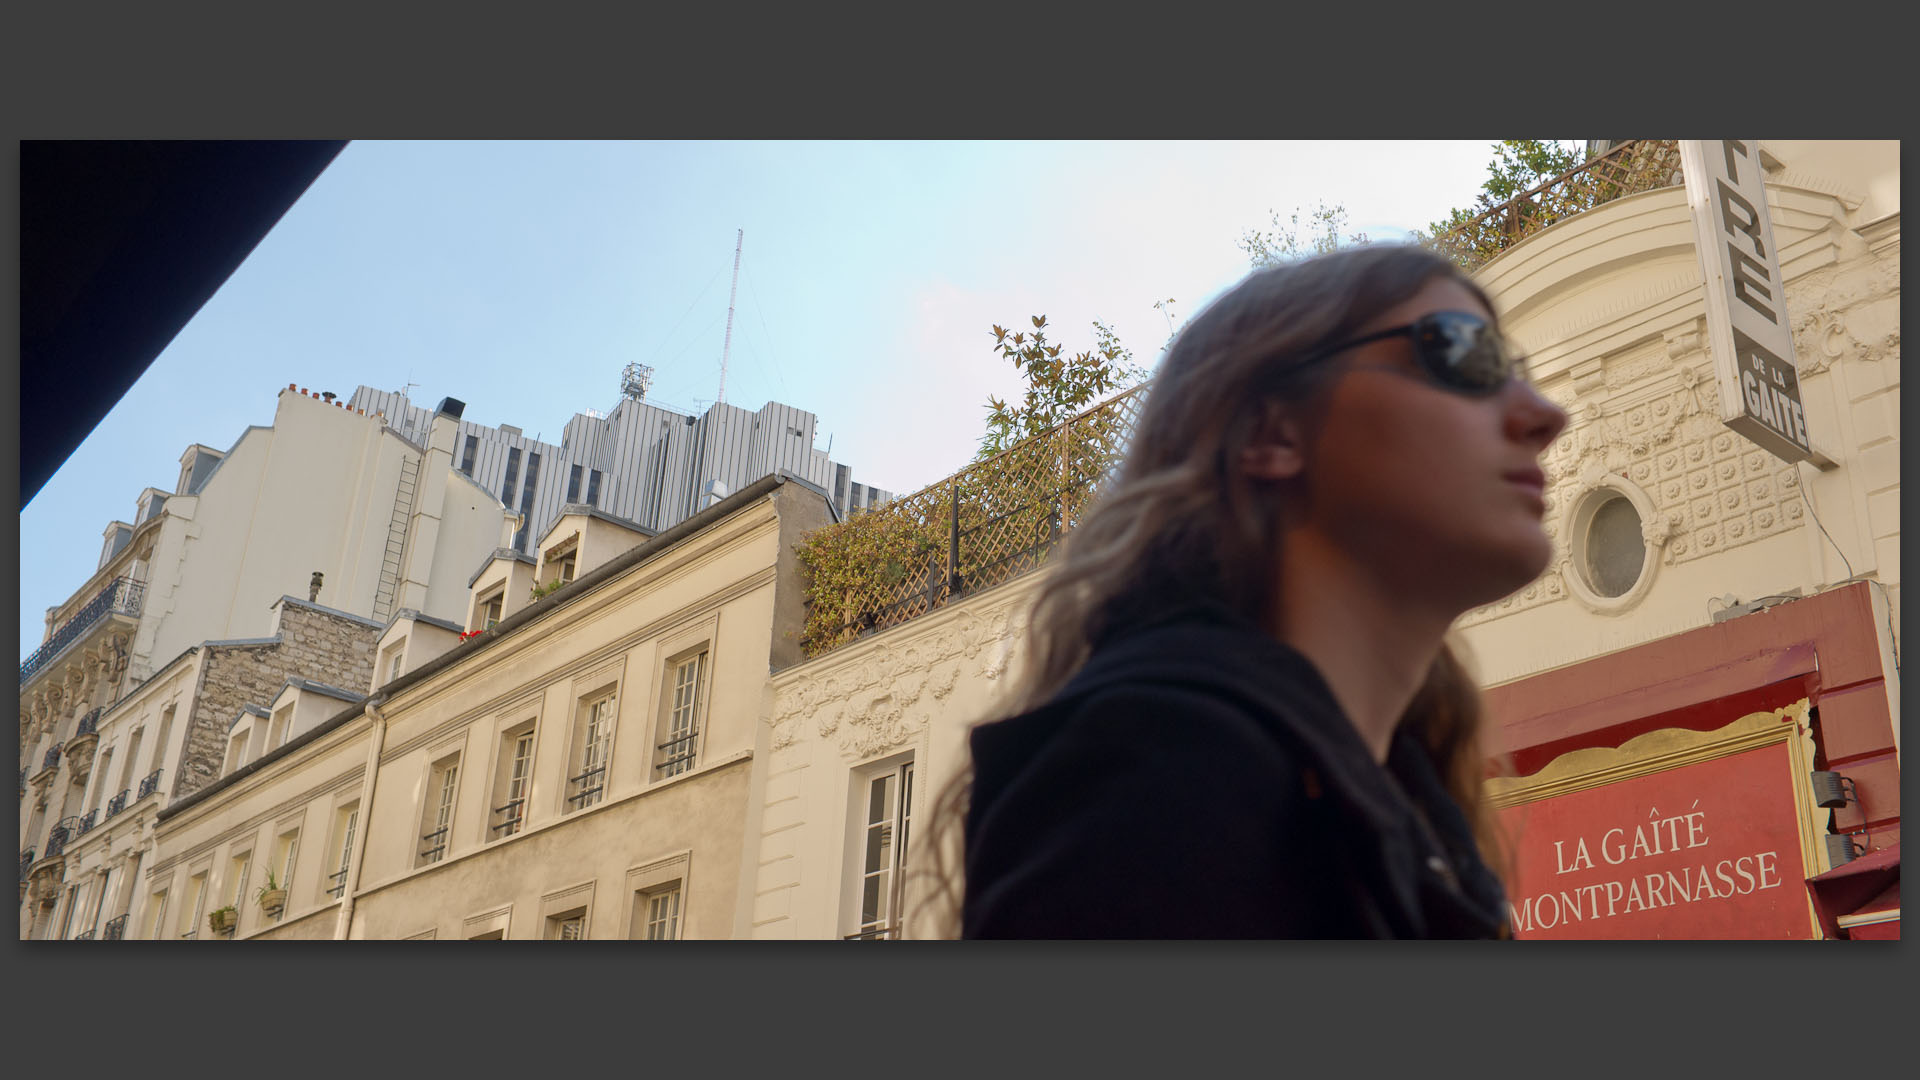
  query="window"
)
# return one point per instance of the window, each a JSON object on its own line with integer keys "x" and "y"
{"x": 285, "y": 847}
{"x": 490, "y": 926}
{"x": 467, "y": 455}
{"x": 160, "y": 744}
{"x": 237, "y": 878}
{"x": 657, "y": 890}
{"x": 282, "y": 722}
{"x": 587, "y": 782}
{"x": 391, "y": 662}
{"x": 679, "y": 743}
{"x": 346, "y": 819}
{"x": 573, "y": 484}
{"x": 513, "y": 474}
{"x": 443, "y": 780}
{"x": 190, "y": 911}
{"x": 593, "y": 487}
{"x": 236, "y": 752}
{"x": 888, "y": 804}
{"x": 526, "y": 501}
{"x": 1614, "y": 548}
{"x": 101, "y": 772}
{"x": 490, "y": 608}
{"x": 566, "y": 568}
{"x": 514, "y": 782}
{"x": 75, "y": 893}
{"x": 133, "y": 755}
{"x": 662, "y": 912}
{"x": 568, "y": 925}
{"x": 157, "y": 915}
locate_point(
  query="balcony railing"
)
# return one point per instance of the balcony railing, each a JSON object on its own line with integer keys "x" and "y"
{"x": 52, "y": 759}
{"x": 988, "y": 523}
{"x": 118, "y": 802}
{"x": 1627, "y": 169}
{"x": 511, "y": 823}
{"x": 26, "y": 862}
{"x": 590, "y": 785}
{"x": 437, "y": 841}
{"x": 84, "y": 935}
{"x": 878, "y": 933}
{"x": 87, "y": 822}
{"x": 121, "y": 596}
{"x": 89, "y": 724}
{"x": 679, "y": 751}
{"x": 339, "y": 880}
{"x": 150, "y": 785}
{"x": 58, "y": 836}
{"x": 116, "y": 929}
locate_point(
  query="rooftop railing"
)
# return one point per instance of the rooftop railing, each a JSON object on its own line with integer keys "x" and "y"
{"x": 986, "y": 524}
{"x": 1632, "y": 167}
{"x": 121, "y": 596}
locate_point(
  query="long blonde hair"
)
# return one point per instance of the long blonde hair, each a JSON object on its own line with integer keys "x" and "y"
{"x": 1177, "y": 521}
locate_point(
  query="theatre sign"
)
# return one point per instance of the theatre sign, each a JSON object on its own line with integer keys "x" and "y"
{"x": 1747, "y": 323}
{"x": 1673, "y": 835}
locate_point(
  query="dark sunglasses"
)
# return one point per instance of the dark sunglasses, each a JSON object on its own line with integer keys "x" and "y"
{"x": 1461, "y": 351}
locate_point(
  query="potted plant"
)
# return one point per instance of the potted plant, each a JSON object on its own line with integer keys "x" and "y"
{"x": 223, "y": 919}
{"x": 271, "y": 896}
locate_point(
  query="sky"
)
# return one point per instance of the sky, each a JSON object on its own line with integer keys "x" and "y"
{"x": 521, "y": 278}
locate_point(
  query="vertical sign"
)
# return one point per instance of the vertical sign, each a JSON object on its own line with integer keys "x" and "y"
{"x": 1746, "y": 296}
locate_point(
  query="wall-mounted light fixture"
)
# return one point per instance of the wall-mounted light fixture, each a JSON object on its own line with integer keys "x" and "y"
{"x": 1841, "y": 849}
{"x": 1831, "y": 790}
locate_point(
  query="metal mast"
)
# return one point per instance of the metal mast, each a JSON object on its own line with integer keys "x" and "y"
{"x": 727, "y": 346}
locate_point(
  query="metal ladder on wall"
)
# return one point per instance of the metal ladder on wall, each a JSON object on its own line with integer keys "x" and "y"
{"x": 392, "y": 560}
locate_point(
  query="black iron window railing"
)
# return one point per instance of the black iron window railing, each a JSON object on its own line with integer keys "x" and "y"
{"x": 52, "y": 759}
{"x": 120, "y": 596}
{"x": 590, "y": 785}
{"x": 878, "y": 933}
{"x": 116, "y": 929}
{"x": 510, "y": 824}
{"x": 191, "y": 934}
{"x": 118, "y": 802}
{"x": 84, "y": 935}
{"x": 679, "y": 752}
{"x": 58, "y": 836}
{"x": 339, "y": 879}
{"x": 438, "y": 841}
{"x": 150, "y": 785}
{"x": 90, "y": 723}
{"x": 87, "y": 822}
{"x": 26, "y": 861}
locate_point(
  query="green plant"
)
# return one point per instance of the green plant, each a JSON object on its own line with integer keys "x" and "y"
{"x": 551, "y": 587}
{"x": 272, "y": 885}
{"x": 1285, "y": 244}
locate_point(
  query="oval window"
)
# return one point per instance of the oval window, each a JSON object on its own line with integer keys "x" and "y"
{"x": 1615, "y": 549}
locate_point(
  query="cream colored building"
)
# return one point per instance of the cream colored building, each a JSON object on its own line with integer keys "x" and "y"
{"x": 583, "y": 769}
{"x": 1609, "y": 305}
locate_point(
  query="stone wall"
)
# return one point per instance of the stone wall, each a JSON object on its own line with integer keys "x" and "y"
{"x": 313, "y": 643}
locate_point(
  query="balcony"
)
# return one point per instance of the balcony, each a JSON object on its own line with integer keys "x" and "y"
{"x": 150, "y": 785}
{"x": 436, "y": 842}
{"x": 121, "y": 596}
{"x": 84, "y": 935}
{"x": 58, "y": 836}
{"x": 87, "y": 822}
{"x": 89, "y": 724}
{"x": 1627, "y": 169}
{"x": 48, "y": 763}
{"x": 118, "y": 802}
{"x": 26, "y": 862}
{"x": 116, "y": 929}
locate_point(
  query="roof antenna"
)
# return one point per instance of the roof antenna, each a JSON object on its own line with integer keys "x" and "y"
{"x": 738, "y": 242}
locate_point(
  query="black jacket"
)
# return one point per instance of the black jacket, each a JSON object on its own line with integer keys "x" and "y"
{"x": 1197, "y": 780}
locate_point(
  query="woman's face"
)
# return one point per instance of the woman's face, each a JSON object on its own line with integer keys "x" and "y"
{"x": 1438, "y": 491}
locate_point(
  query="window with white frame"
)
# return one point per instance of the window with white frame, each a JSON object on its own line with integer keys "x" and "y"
{"x": 285, "y": 847}
{"x": 191, "y": 910}
{"x": 391, "y": 662}
{"x": 127, "y": 776}
{"x": 513, "y": 782}
{"x": 346, "y": 820}
{"x": 568, "y": 925}
{"x": 237, "y": 869}
{"x": 236, "y": 751}
{"x": 75, "y": 894}
{"x": 658, "y": 892}
{"x": 677, "y": 749}
{"x": 436, "y": 825}
{"x": 593, "y": 749}
{"x": 156, "y": 915}
{"x": 487, "y": 614}
{"x": 885, "y": 824}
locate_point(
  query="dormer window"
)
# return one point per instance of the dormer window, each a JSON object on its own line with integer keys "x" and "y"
{"x": 566, "y": 568}
{"x": 490, "y": 609}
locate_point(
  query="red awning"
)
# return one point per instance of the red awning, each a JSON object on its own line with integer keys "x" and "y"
{"x": 1853, "y": 886}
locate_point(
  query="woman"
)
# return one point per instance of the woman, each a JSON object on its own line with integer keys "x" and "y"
{"x": 1238, "y": 716}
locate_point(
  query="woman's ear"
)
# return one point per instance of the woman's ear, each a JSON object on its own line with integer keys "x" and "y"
{"x": 1277, "y": 450}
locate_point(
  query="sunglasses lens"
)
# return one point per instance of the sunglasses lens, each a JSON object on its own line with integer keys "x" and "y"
{"x": 1464, "y": 352}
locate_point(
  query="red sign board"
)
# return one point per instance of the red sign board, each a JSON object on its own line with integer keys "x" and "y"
{"x": 1708, "y": 850}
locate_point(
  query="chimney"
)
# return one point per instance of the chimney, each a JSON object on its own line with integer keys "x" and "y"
{"x": 313, "y": 588}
